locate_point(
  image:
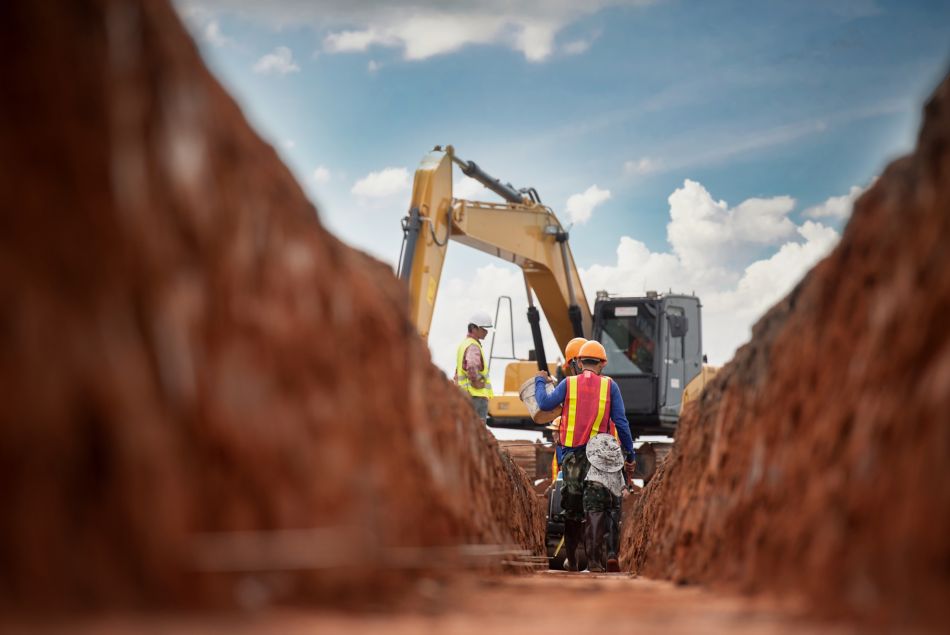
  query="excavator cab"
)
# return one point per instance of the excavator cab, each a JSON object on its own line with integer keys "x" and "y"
{"x": 654, "y": 350}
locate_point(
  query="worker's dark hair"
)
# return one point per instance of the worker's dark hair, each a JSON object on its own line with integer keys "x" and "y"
{"x": 472, "y": 326}
{"x": 593, "y": 361}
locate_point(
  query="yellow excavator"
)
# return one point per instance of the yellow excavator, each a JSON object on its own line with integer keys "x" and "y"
{"x": 653, "y": 343}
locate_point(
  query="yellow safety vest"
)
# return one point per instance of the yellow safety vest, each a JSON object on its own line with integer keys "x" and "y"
{"x": 461, "y": 377}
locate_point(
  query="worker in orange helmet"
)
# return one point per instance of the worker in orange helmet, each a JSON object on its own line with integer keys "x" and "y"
{"x": 589, "y": 403}
{"x": 571, "y": 367}
{"x": 573, "y": 529}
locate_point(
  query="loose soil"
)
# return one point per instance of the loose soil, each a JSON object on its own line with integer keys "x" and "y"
{"x": 516, "y": 605}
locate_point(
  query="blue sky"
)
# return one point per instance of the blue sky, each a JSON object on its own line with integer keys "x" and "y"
{"x": 780, "y": 111}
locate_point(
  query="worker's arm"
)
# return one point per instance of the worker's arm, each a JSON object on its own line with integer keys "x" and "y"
{"x": 546, "y": 401}
{"x": 618, "y": 415}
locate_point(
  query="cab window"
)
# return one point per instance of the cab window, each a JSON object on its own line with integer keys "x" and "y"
{"x": 629, "y": 335}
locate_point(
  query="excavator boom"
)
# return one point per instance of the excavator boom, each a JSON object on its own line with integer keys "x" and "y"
{"x": 520, "y": 230}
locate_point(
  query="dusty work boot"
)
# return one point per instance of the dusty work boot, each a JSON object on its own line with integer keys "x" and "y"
{"x": 580, "y": 553}
{"x": 594, "y": 540}
{"x": 573, "y": 534}
{"x": 613, "y": 541}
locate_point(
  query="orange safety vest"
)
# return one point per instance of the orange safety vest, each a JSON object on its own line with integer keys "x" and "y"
{"x": 586, "y": 409}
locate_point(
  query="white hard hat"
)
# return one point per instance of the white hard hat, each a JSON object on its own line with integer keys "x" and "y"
{"x": 482, "y": 319}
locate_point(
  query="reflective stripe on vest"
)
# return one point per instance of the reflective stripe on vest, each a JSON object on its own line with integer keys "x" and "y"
{"x": 586, "y": 408}
{"x": 461, "y": 377}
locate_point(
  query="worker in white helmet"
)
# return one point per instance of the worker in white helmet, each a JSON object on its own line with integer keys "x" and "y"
{"x": 471, "y": 367}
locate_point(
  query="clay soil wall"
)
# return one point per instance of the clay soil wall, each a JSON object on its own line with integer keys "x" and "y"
{"x": 818, "y": 462}
{"x": 207, "y": 398}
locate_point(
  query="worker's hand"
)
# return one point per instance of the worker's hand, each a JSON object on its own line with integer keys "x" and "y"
{"x": 542, "y": 373}
{"x": 629, "y": 467}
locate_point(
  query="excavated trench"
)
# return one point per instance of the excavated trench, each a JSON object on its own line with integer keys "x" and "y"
{"x": 210, "y": 401}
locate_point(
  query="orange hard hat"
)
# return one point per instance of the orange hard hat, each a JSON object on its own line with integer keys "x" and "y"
{"x": 573, "y": 348}
{"x": 593, "y": 350}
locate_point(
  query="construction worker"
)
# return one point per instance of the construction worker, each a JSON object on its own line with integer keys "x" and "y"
{"x": 589, "y": 403}
{"x": 570, "y": 367}
{"x": 471, "y": 367}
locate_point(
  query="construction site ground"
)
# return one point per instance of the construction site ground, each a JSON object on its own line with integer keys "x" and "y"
{"x": 523, "y": 604}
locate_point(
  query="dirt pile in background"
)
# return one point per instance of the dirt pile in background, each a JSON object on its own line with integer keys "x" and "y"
{"x": 532, "y": 457}
{"x": 187, "y": 353}
{"x": 817, "y": 462}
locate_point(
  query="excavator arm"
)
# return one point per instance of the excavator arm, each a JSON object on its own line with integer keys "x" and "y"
{"x": 521, "y": 230}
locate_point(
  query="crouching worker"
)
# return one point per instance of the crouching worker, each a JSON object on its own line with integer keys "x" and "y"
{"x": 590, "y": 402}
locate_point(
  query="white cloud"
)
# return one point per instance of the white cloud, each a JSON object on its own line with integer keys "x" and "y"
{"x": 642, "y": 166}
{"x": 716, "y": 254}
{"x": 580, "y": 45}
{"x": 351, "y": 41}
{"x": 289, "y": 144}
{"x": 421, "y": 35}
{"x": 372, "y": 66}
{"x": 470, "y": 189}
{"x": 580, "y": 206}
{"x": 386, "y": 182}
{"x": 321, "y": 174}
{"x": 280, "y": 61}
{"x": 214, "y": 36}
{"x": 765, "y": 281}
{"x": 708, "y": 234}
{"x": 576, "y": 47}
{"x": 836, "y": 207}
{"x": 536, "y": 39}
{"x": 425, "y": 28}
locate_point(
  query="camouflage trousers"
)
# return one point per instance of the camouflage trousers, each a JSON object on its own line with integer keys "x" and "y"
{"x": 598, "y": 498}
{"x": 580, "y": 496}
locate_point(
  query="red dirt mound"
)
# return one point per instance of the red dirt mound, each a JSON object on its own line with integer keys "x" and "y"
{"x": 817, "y": 462}
{"x": 187, "y": 353}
